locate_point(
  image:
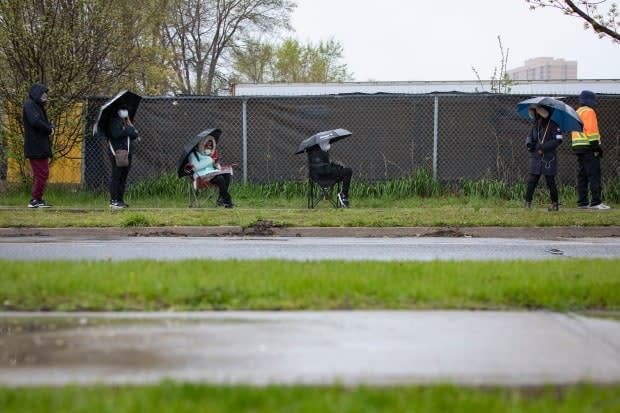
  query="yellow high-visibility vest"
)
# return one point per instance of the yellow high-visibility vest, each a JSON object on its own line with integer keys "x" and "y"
{"x": 590, "y": 128}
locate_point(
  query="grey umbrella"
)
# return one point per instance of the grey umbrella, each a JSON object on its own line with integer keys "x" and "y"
{"x": 330, "y": 135}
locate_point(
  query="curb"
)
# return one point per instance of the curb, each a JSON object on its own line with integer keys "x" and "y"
{"x": 267, "y": 229}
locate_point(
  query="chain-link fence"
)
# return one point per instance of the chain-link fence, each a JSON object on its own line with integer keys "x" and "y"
{"x": 458, "y": 136}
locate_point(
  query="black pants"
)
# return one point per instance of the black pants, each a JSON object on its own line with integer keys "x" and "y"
{"x": 118, "y": 181}
{"x": 342, "y": 174}
{"x": 222, "y": 181}
{"x": 532, "y": 181}
{"x": 589, "y": 174}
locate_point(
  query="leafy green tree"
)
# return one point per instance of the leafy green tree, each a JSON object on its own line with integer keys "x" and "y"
{"x": 79, "y": 48}
{"x": 601, "y": 16}
{"x": 291, "y": 61}
{"x": 201, "y": 34}
{"x": 253, "y": 62}
{"x": 146, "y": 70}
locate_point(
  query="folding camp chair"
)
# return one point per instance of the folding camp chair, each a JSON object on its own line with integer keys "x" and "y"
{"x": 198, "y": 185}
{"x": 323, "y": 188}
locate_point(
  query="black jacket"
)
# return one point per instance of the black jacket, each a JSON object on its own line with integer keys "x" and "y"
{"x": 118, "y": 133}
{"x": 37, "y": 128}
{"x": 318, "y": 160}
{"x": 547, "y": 132}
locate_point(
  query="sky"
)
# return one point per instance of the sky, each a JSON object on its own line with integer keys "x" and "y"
{"x": 423, "y": 40}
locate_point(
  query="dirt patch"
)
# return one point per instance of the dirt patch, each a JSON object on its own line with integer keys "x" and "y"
{"x": 262, "y": 228}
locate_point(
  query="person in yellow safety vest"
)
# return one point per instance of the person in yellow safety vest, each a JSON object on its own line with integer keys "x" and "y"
{"x": 587, "y": 146}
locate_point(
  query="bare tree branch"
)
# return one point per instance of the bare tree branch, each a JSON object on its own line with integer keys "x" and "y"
{"x": 605, "y": 23}
{"x": 201, "y": 33}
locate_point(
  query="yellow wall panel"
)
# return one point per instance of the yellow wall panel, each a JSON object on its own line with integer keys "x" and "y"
{"x": 65, "y": 170}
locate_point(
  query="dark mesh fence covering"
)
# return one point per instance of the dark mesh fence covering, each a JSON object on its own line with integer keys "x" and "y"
{"x": 458, "y": 136}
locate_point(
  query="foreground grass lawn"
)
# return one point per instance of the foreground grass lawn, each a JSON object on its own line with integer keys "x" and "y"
{"x": 189, "y": 398}
{"x": 560, "y": 285}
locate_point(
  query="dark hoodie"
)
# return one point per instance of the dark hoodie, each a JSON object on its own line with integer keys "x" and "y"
{"x": 37, "y": 128}
{"x": 587, "y": 98}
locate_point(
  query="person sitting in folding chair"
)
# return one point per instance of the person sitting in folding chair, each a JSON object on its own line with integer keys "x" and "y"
{"x": 321, "y": 167}
{"x": 206, "y": 168}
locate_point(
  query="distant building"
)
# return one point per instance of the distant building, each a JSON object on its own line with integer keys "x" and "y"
{"x": 545, "y": 68}
{"x": 522, "y": 87}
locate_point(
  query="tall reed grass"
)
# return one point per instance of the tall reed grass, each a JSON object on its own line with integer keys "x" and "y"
{"x": 420, "y": 184}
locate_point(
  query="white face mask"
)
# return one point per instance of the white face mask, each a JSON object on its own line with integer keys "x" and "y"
{"x": 325, "y": 146}
{"x": 207, "y": 151}
{"x": 123, "y": 113}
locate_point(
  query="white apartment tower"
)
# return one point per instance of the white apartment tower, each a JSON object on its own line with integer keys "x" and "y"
{"x": 545, "y": 68}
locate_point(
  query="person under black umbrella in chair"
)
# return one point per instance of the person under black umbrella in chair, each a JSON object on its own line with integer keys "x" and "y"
{"x": 321, "y": 167}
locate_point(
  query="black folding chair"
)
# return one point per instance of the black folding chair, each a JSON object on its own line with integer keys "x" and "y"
{"x": 323, "y": 188}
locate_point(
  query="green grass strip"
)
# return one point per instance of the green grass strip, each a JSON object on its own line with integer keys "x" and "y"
{"x": 436, "y": 213}
{"x": 560, "y": 285}
{"x": 189, "y": 398}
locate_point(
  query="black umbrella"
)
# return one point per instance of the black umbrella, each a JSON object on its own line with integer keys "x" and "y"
{"x": 330, "y": 135}
{"x": 124, "y": 98}
{"x": 191, "y": 146}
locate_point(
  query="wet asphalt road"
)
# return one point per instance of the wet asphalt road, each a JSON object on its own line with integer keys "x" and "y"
{"x": 304, "y": 248}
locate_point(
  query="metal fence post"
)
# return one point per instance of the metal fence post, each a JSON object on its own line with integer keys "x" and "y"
{"x": 435, "y": 136}
{"x": 244, "y": 109}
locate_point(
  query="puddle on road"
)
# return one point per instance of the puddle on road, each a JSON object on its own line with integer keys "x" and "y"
{"x": 30, "y": 342}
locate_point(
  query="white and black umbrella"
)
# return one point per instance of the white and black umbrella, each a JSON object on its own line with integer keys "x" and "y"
{"x": 106, "y": 112}
{"x": 330, "y": 135}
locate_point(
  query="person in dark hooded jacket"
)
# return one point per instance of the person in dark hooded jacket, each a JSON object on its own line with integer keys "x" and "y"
{"x": 38, "y": 132}
{"x": 587, "y": 147}
{"x": 542, "y": 143}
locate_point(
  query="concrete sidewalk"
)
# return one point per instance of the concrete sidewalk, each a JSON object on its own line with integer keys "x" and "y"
{"x": 349, "y": 347}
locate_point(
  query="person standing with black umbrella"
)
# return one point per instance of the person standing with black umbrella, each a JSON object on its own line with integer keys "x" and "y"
{"x": 120, "y": 134}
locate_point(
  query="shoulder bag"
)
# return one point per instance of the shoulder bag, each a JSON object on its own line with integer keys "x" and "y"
{"x": 121, "y": 155}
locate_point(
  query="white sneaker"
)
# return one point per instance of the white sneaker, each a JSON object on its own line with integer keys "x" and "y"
{"x": 600, "y": 206}
{"x": 116, "y": 205}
